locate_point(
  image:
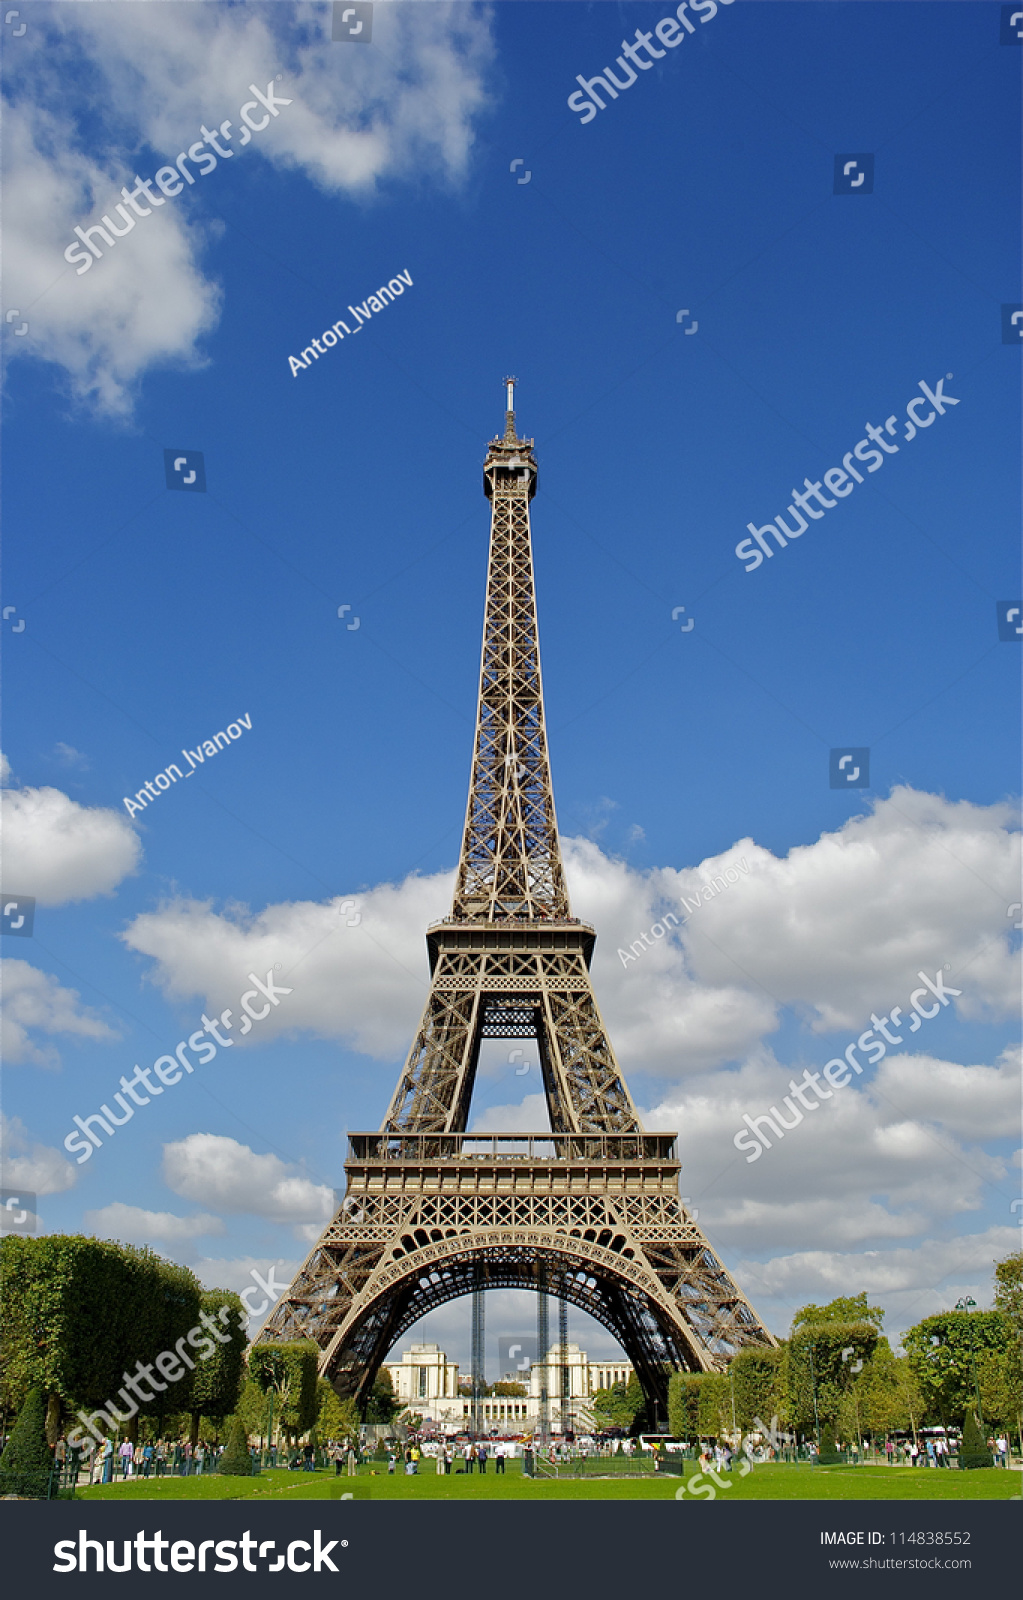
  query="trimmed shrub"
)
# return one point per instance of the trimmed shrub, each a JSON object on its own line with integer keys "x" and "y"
{"x": 25, "y": 1464}
{"x": 973, "y": 1451}
{"x": 236, "y": 1461}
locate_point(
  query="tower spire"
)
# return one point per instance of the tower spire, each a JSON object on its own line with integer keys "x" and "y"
{"x": 511, "y": 860}
{"x": 509, "y": 410}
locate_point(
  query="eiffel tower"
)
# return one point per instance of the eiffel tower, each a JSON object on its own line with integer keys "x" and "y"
{"x": 588, "y": 1213}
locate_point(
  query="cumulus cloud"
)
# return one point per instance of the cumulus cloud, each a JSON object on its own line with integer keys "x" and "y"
{"x": 60, "y": 851}
{"x": 148, "y": 76}
{"x": 132, "y": 1225}
{"x": 214, "y": 1170}
{"x": 975, "y": 1102}
{"x": 912, "y": 1282}
{"x": 834, "y": 930}
{"x": 529, "y": 1116}
{"x": 36, "y": 1167}
{"x": 364, "y": 985}
{"x": 36, "y": 1000}
{"x": 259, "y": 1280}
{"x": 860, "y": 1168}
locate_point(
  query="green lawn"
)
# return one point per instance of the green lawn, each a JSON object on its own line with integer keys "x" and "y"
{"x": 769, "y": 1482}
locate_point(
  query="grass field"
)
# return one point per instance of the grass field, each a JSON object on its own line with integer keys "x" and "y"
{"x": 768, "y": 1482}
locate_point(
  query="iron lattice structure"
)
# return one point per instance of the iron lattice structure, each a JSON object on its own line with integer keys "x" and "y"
{"x": 589, "y": 1213}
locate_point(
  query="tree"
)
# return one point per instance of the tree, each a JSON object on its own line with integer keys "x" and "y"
{"x": 699, "y": 1405}
{"x": 944, "y": 1352}
{"x": 288, "y": 1371}
{"x": 620, "y": 1406}
{"x": 336, "y": 1418}
{"x": 26, "y": 1462}
{"x": 973, "y": 1451}
{"x": 821, "y": 1359}
{"x": 236, "y": 1461}
{"x": 847, "y": 1308}
{"x": 508, "y": 1387}
{"x": 253, "y": 1408}
{"x": 891, "y": 1394}
{"x": 1009, "y": 1304}
{"x": 217, "y": 1382}
{"x": 756, "y": 1376}
{"x": 81, "y": 1315}
{"x": 382, "y": 1404}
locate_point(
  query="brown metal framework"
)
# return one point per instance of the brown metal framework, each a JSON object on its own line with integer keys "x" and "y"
{"x": 590, "y": 1211}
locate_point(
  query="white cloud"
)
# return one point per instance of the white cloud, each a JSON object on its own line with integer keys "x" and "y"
{"x": 835, "y": 930}
{"x": 214, "y": 1170}
{"x": 68, "y": 756}
{"x": 36, "y": 1167}
{"x": 856, "y": 1170}
{"x": 529, "y": 1116}
{"x": 365, "y": 985}
{"x": 251, "y": 1277}
{"x": 60, "y": 851}
{"x": 404, "y": 109}
{"x": 975, "y": 1102}
{"x": 132, "y": 1225}
{"x": 912, "y": 1282}
{"x": 33, "y": 999}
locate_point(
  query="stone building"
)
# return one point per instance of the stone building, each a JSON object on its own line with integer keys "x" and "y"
{"x": 425, "y": 1381}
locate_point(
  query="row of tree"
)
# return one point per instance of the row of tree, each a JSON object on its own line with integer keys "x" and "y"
{"x": 837, "y": 1370}
{"x": 85, "y": 1318}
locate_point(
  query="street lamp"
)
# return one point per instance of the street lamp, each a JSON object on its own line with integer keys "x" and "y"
{"x": 969, "y": 1305}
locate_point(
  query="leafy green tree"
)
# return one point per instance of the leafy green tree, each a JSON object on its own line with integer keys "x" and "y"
{"x": 217, "y": 1381}
{"x": 1009, "y": 1304}
{"x": 820, "y": 1366}
{"x": 508, "y": 1387}
{"x": 944, "y": 1352}
{"x": 756, "y": 1376}
{"x": 619, "y": 1406}
{"x": 236, "y": 1461}
{"x": 336, "y": 1418}
{"x": 847, "y": 1308}
{"x": 288, "y": 1370}
{"x": 892, "y": 1398}
{"x": 253, "y": 1408}
{"x": 382, "y": 1405}
{"x": 26, "y": 1462}
{"x": 699, "y": 1405}
{"x": 82, "y": 1315}
{"x": 973, "y": 1451}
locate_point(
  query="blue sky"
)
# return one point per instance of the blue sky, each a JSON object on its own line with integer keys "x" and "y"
{"x": 155, "y": 618}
